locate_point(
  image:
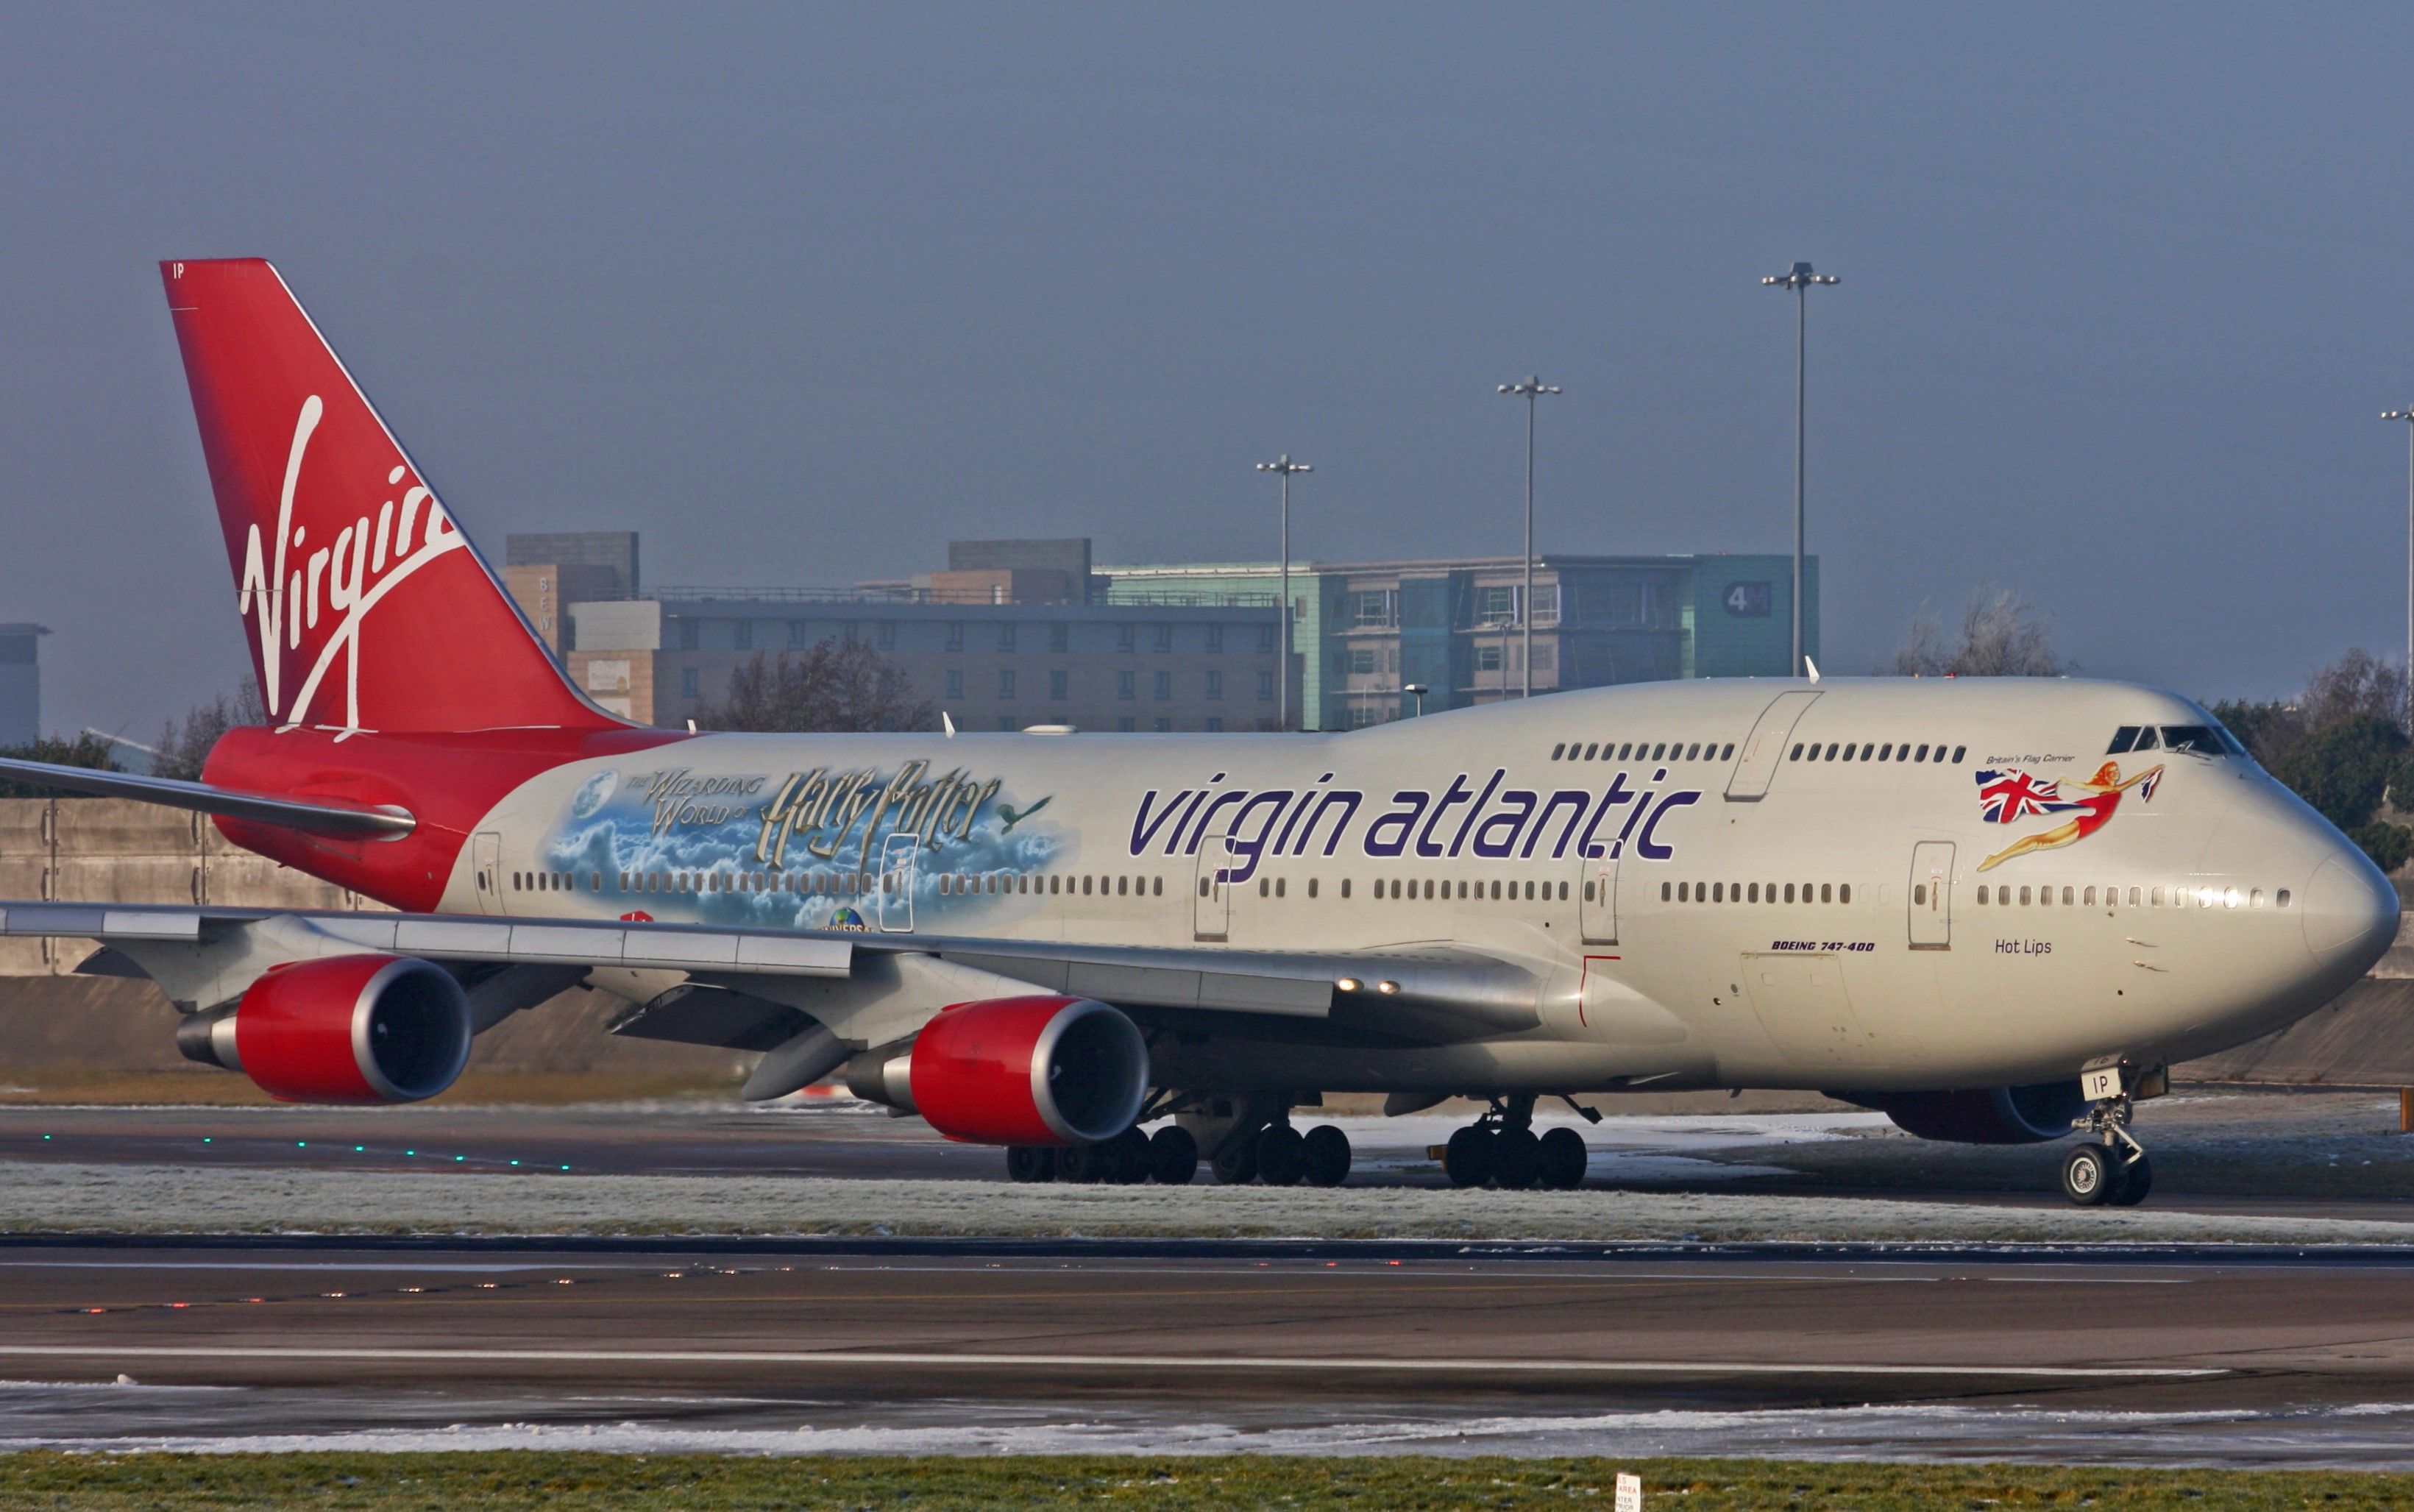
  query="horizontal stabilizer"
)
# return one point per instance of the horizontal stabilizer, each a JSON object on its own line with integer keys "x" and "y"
{"x": 319, "y": 819}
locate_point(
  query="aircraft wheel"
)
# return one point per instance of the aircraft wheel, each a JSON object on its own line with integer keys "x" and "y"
{"x": 1467, "y": 1159}
{"x": 1281, "y": 1156}
{"x": 2136, "y": 1179}
{"x": 1082, "y": 1164}
{"x": 1127, "y": 1161}
{"x": 1564, "y": 1159}
{"x": 1030, "y": 1162}
{"x": 1236, "y": 1163}
{"x": 1172, "y": 1156}
{"x": 2088, "y": 1177}
{"x": 1516, "y": 1159}
{"x": 1326, "y": 1154}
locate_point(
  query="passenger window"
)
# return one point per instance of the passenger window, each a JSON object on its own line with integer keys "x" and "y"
{"x": 1844, "y": 893}
{"x": 1848, "y": 750}
{"x": 2282, "y": 901}
{"x": 2133, "y": 897}
{"x": 1281, "y": 884}
{"x": 1694, "y": 752}
{"x": 1958, "y": 753}
{"x": 1886, "y": 752}
{"x": 1923, "y": 755}
{"x": 1919, "y": 893}
{"x": 1717, "y": 892}
{"x": 1665, "y": 891}
{"x": 2255, "y": 899}
{"x": 1683, "y": 893}
{"x": 1789, "y": 892}
{"x": 2156, "y": 897}
{"x": 1659, "y": 751}
{"x": 2123, "y": 738}
{"x": 1831, "y": 751}
{"x": 1626, "y": 749}
{"x": 1797, "y": 751}
{"x": 2090, "y": 899}
{"x": 1826, "y": 892}
{"x": 2025, "y": 897}
{"x": 1590, "y": 750}
{"x": 1588, "y": 890}
{"x": 1345, "y": 887}
{"x": 1754, "y": 897}
{"x": 1726, "y": 751}
{"x": 2065, "y": 896}
{"x": 1558, "y": 750}
{"x": 1982, "y": 892}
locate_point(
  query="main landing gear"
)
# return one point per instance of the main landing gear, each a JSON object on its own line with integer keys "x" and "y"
{"x": 1501, "y": 1148}
{"x": 1168, "y": 1156}
{"x": 2111, "y": 1168}
{"x": 1281, "y": 1156}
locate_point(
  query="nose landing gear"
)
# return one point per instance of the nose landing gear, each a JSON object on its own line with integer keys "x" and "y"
{"x": 2111, "y": 1170}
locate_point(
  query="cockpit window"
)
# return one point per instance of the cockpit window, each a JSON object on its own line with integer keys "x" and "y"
{"x": 2198, "y": 738}
{"x": 2122, "y": 740}
{"x": 2147, "y": 740}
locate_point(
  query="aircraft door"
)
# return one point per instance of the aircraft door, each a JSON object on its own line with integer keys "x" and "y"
{"x": 897, "y": 855}
{"x": 486, "y": 861}
{"x": 1211, "y": 899}
{"x": 1932, "y": 895}
{"x": 1764, "y": 747}
{"x": 1597, "y": 900}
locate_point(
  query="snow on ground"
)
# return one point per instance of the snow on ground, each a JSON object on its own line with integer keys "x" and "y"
{"x": 67, "y": 1197}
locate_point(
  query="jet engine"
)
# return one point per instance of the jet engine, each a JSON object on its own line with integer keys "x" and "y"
{"x": 1982, "y": 1115}
{"x": 346, "y": 1028}
{"x": 1016, "y": 1071}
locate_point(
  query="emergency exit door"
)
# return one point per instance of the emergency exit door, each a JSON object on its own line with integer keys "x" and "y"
{"x": 1930, "y": 895}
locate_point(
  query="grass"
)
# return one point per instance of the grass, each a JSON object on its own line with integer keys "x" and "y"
{"x": 706, "y": 1483}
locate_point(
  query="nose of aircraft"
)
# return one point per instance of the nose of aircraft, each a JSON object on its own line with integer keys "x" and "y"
{"x": 2350, "y": 912}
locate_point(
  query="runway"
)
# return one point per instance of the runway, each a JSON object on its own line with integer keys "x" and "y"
{"x": 795, "y": 1348}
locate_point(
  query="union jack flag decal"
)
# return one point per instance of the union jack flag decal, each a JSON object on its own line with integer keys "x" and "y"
{"x": 2007, "y": 797}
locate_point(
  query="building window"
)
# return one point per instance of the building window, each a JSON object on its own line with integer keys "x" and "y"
{"x": 954, "y": 682}
{"x": 1123, "y": 688}
{"x": 1547, "y": 603}
{"x": 1006, "y": 722}
{"x": 1543, "y": 656}
{"x": 1215, "y": 639}
{"x": 691, "y": 683}
{"x": 1006, "y": 636}
{"x": 1056, "y": 685}
{"x": 1060, "y": 636}
{"x": 1265, "y": 640}
{"x": 1487, "y": 658}
{"x": 1362, "y": 660}
{"x": 742, "y": 635}
{"x": 955, "y": 636}
{"x": 1126, "y": 637}
{"x": 884, "y": 635}
{"x": 1373, "y": 609}
{"x": 1124, "y": 724}
{"x": 691, "y": 634}
{"x": 1163, "y": 726}
{"x": 1163, "y": 639}
{"x": 1265, "y": 687}
{"x": 1495, "y": 606}
{"x": 1216, "y": 724}
{"x": 1362, "y": 717}
{"x": 1005, "y": 682}
{"x": 1214, "y": 687}
{"x": 1164, "y": 686}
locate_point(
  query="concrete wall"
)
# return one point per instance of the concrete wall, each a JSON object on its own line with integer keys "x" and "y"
{"x": 115, "y": 850}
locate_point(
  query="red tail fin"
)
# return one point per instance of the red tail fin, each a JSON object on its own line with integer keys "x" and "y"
{"x": 368, "y": 608}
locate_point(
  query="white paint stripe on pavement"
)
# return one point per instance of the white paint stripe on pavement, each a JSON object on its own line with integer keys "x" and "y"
{"x": 1184, "y": 1362}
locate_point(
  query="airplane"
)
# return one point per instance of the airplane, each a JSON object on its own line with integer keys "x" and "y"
{"x": 1996, "y": 910}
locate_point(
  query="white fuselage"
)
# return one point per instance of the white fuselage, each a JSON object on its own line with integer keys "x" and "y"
{"x": 1707, "y": 894}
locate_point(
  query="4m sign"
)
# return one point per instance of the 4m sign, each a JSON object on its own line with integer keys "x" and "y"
{"x": 1747, "y": 601}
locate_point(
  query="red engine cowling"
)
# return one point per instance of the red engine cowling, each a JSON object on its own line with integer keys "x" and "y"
{"x": 1025, "y": 1070}
{"x": 349, "y": 1028}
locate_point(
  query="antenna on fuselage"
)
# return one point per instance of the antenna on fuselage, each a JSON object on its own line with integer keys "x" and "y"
{"x": 1813, "y": 666}
{"x": 947, "y": 723}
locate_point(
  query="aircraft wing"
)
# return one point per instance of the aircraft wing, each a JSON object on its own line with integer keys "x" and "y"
{"x": 752, "y": 989}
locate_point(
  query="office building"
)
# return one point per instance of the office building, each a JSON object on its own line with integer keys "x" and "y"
{"x": 21, "y": 683}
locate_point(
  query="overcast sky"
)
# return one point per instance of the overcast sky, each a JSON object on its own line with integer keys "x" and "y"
{"x": 803, "y": 292}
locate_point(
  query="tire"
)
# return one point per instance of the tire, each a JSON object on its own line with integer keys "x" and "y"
{"x": 1082, "y": 1164}
{"x": 2136, "y": 1179}
{"x": 1030, "y": 1162}
{"x": 1127, "y": 1157}
{"x": 1281, "y": 1156}
{"x": 1564, "y": 1159}
{"x": 1467, "y": 1159}
{"x": 1516, "y": 1160}
{"x": 1236, "y": 1163}
{"x": 2087, "y": 1176}
{"x": 1326, "y": 1151}
{"x": 1172, "y": 1156}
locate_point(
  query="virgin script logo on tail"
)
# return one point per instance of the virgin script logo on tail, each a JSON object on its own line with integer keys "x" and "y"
{"x": 344, "y": 579}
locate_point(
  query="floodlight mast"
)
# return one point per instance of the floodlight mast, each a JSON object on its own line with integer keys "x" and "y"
{"x": 1799, "y": 279}
{"x": 1283, "y": 467}
{"x": 2406, "y": 714}
{"x": 1529, "y": 389}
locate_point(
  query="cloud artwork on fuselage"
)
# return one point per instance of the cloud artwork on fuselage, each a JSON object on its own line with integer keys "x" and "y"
{"x": 2008, "y": 795}
{"x": 804, "y": 851}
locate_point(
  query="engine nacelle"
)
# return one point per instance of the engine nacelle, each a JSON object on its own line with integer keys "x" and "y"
{"x": 348, "y": 1028}
{"x": 1983, "y": 1115}
{"x": 1017, "y": 1070}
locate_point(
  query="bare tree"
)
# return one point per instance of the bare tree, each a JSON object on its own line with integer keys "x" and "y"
{"x": 2358, "y": 683}
{"x": 2002, "y": 635}
{"x": 184, "y": 744}
{"x": 834, "y": 686}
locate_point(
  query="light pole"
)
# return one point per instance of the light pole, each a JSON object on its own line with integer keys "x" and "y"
{"x": 1529, "y": 389}
{"x": 1799, "y": 280}
{"x": 2406, "y": 415}
{"x": 1283, "y": 467}
{"x": 1419, "y": 689}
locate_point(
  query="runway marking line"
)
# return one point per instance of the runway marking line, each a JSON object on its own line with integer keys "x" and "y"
{"x": 1252, "y": 1362}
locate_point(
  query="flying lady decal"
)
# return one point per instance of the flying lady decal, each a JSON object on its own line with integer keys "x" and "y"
{"x": 2006, "y": 797}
